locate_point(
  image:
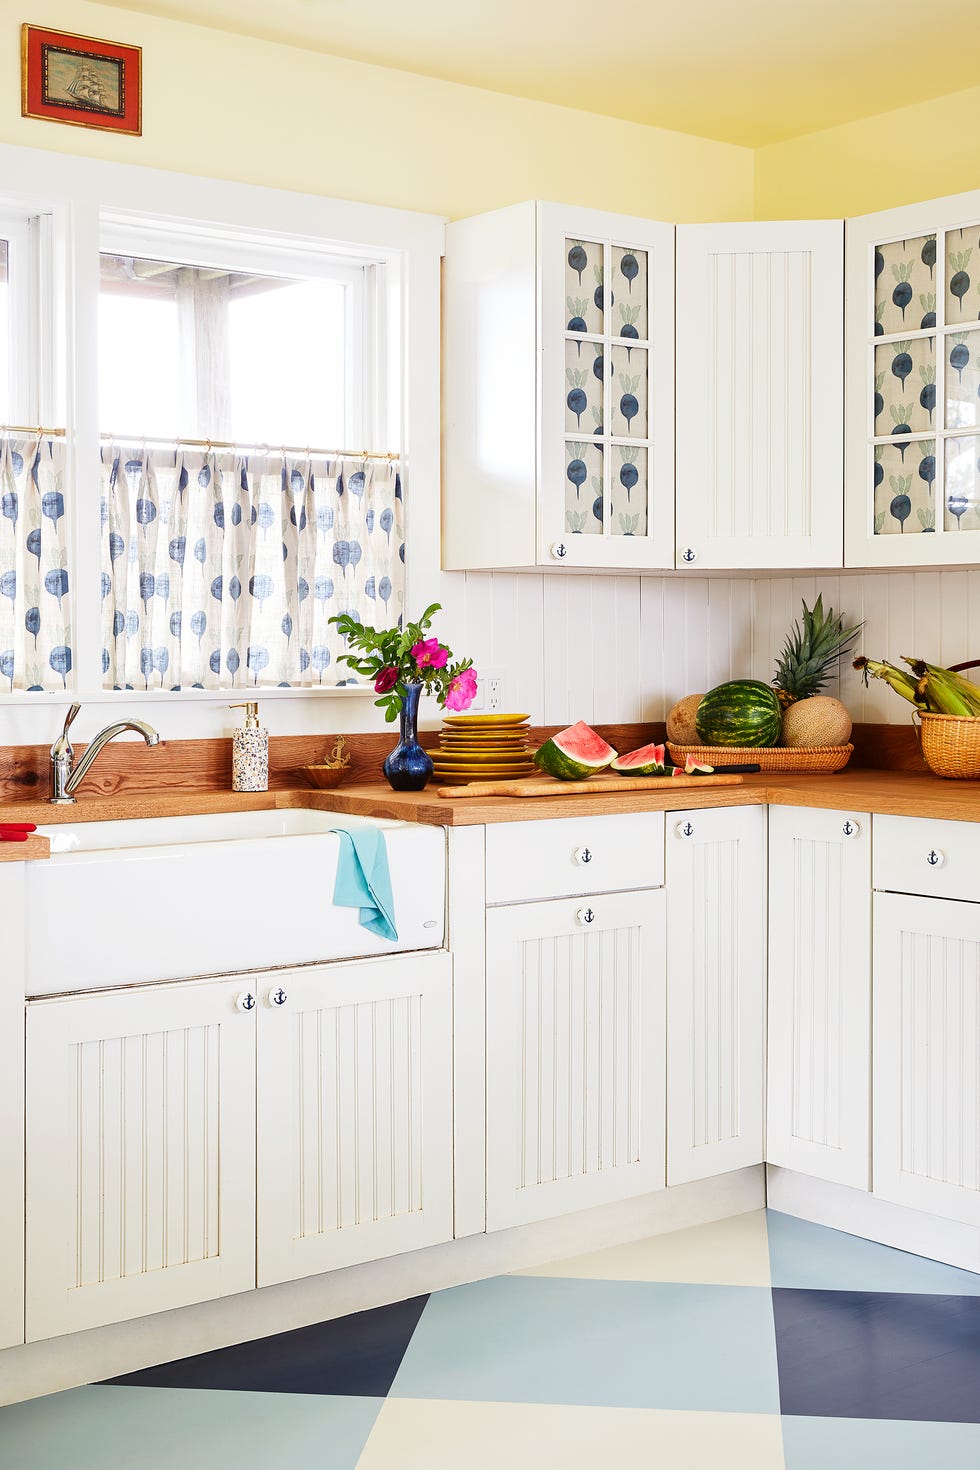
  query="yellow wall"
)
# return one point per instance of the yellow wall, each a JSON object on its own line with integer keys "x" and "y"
{"x": 919, "y": 152}
{"x": 233, "y": 107}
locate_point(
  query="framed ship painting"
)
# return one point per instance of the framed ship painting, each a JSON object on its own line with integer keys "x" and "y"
{"x": 81, "y": 81}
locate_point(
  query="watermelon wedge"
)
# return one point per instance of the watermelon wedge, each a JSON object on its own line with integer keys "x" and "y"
{"x": 575, "y": 753}
{"x": 691, "y": 767}
{"x": 649, "y": 760}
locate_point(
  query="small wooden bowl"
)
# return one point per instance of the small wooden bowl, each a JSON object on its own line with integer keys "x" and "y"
{"x": 325, "y": 776}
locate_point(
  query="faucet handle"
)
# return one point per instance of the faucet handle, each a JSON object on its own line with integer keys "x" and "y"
{"x": 73, "y": 710}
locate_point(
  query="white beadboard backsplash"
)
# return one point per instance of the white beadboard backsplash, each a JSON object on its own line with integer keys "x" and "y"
{"x": 618, "y": 649}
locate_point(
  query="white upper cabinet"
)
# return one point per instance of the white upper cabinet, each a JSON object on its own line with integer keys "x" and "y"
{"x": 759, "y": 398}
{"x": 558, "y": 390}
{"x": 913, "y": 385}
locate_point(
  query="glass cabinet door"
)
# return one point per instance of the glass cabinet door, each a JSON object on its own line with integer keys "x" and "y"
{"x": 914, "y": 431}
{"x": 606, "y": 404}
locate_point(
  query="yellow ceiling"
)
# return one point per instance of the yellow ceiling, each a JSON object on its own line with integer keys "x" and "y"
{"x": 742, "y": 71}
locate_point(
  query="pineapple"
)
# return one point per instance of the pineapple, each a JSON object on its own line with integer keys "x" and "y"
{"x": 803, "y": 667}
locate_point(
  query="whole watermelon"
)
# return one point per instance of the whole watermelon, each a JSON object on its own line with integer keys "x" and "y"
{"x": 741, "y": 712}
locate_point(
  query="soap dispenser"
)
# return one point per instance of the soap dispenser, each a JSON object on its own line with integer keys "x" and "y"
{"x": 250, "y": 752}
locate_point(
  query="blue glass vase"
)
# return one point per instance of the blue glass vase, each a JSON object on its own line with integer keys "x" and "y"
{"x": 408, "y": 768}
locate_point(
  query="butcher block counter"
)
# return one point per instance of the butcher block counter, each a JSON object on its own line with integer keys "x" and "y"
{"x": 896, "y": 793}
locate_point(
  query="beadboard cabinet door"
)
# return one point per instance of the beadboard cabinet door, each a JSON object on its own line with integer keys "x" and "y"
{"x": 575, "y": 1054}
{"x": 355, "y": 1146}
{"x": 716, "y": 990}
{"x": 927, "y": 1055}
{"x": 140, "y": 1153}
{"x": 819, "y": 1076}
{"x": 759, "y": 370}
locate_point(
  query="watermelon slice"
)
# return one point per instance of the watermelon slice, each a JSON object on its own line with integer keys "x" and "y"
{"x": 649, "y": 760}
{"x": 691, "y": 767}
{"x": 574, "y": 753}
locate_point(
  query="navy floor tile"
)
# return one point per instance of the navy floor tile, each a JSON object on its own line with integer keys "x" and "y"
{"x": 357, "y": 1355}
{"x": 878, "y": 1355}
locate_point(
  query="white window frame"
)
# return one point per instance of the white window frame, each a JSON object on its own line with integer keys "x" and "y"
{"x": 28, "y": 238}
{"x": 90, "y": 203}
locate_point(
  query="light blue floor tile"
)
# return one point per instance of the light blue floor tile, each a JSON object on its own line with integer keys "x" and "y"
{"x": 879, "y": 1444}
{"x": 102, "y": 1428}
{"x": 629, "y": 1344}
{"x": 811, "y": 1257}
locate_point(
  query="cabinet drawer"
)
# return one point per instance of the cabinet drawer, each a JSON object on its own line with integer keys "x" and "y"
{"x": 572, "y": 855}
{"x": 918, "y": 855}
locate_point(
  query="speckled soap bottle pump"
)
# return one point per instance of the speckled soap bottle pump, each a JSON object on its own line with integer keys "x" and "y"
{"x": 250, "y": 752}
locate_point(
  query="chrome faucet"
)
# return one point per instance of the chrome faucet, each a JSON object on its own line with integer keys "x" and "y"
{"x": 65, "y": 775}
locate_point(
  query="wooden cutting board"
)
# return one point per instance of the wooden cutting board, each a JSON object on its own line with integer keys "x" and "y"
{"x": 551, "y": 786}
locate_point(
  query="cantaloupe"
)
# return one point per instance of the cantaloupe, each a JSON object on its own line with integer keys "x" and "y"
{"x": 819, "y": 720}
{"x": 681, "y": 729}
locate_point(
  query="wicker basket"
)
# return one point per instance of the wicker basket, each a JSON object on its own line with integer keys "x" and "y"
{"x": 951, "y": 745}
{"x": 804, "y": 759}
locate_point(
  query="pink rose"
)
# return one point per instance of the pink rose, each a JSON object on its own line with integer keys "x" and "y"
{"x": 462, "y": 690}
{"x": 386, "y": 680}
{"x": 430, "y": 654}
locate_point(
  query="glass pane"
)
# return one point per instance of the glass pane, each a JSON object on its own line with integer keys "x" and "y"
{"x": 584, "y": 369}
{"x": 904, "y": 479}
{"x": 905, "y": 285}
{"x": 583, "y": 488}
{"x": 583, "y": 286}
{"x": 6, "y": 414}
{"x": 211, "y": 352}
{"x": 630, "y": 292}
{"x": 905, "y": 387}
{"x": 628, "y": 492}
{"x": 963, "y": 275}
{"x": 963, "y": 484}
{"x": 628, "y": 391}
{"x": 963, "y": 380}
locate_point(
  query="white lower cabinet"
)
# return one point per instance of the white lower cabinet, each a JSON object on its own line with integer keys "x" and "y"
{"x": 716, "y": 963}
{"x": 143, "y": 1173}
{"x": 575, "y": 1053}
{"x": 819, "y": 1074}
{"x": 355, "y": 1145}
{"x": 927, "y": 1054}
{"x": 140, "y": 1153}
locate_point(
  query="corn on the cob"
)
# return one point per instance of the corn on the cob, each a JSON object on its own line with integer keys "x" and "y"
{"x": 948, "y": 692}
{"x": 903, "y": 683}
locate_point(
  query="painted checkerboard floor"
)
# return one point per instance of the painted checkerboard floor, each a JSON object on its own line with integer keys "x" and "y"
{"x": 761, "y": 1341}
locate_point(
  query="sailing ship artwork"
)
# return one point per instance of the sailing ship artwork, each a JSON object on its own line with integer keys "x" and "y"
{"x": 80, "y": 80}
{"x": 83, "y": 81}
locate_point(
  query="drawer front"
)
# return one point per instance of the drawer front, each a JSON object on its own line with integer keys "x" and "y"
{"x": 918, "y": 855}
{"x": 528, "y": 860}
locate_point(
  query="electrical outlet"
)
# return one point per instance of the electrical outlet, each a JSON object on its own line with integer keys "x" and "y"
{"x": 492, "y": 696}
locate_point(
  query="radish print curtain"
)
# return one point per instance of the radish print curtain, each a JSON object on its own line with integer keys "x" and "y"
{"x": 221, "y": 570}
{"x": 35, "y": 609}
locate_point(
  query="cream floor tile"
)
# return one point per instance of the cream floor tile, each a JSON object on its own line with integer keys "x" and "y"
{"x": 733, "y": 1252}
{"x": 435, "y": 1434}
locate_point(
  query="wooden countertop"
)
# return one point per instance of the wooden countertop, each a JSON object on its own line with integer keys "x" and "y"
{"x": 897, "y": 793}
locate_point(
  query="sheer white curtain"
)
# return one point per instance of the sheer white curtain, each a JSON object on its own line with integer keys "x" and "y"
{"x": 35, "y": 606}
{"x": 222, "y": 570}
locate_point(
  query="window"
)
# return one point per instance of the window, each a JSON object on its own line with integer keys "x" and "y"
{"x": 225, "y": 378}
{"x": 215, "y": 353}
{"x": 224, "y": 559}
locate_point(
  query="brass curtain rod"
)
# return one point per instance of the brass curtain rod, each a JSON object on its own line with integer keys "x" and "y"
{"x": 177, "y": 440}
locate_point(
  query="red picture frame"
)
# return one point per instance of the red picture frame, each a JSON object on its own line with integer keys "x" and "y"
{"x": 81, "y": 81}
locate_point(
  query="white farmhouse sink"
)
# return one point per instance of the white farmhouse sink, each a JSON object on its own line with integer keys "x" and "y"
{"x": 162, "y": 898}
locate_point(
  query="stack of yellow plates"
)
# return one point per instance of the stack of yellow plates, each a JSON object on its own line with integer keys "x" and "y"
{"x": 482, "y": 748}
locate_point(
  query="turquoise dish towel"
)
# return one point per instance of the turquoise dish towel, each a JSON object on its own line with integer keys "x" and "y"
{"x": 363, "y": 879}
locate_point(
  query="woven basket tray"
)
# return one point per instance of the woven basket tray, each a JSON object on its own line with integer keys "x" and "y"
{"x": 951, "y": 745}
{"x": 802, "y": 758}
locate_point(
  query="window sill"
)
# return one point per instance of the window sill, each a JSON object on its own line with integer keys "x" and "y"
{"x": 20, "y": 698}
